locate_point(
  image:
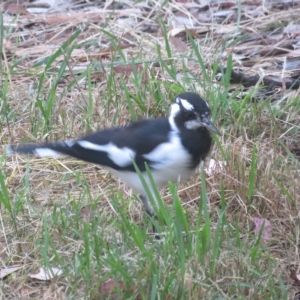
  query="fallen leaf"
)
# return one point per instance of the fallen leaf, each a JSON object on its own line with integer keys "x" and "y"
{"x": 95, "y": 77}
{"x": 55, "y": 20}
{"x": 103, "y": 53}
{"x": 292, "y": 29}
{"x": 85, "y": 212}
{"x": 113, "y": 49}
{"x": 259, "y": 11}
{"x": 112, "y": 289}
{"x": 127, "y": 22}
{"x": 223, "y": 13}
{"x": 265, "y": 226}
{"x": 293, "y": 53}
{"x": 44, "y": 274}
{"x": 14, "y": 8}
{"x": 226, "y": 29}
{"x": 11, "y": 269}
{"x": 182, "y": 20}
{"x": 44, "y": 50}
{"x": 179, "y": 44}
{"x": 129, "y": 69}
{"x": 182, "y": 30}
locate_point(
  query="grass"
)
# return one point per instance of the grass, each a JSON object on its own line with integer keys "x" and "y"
{"x": 74, "y": 216}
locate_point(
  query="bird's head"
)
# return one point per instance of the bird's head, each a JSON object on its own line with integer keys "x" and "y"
{"x": 192, "y": 112}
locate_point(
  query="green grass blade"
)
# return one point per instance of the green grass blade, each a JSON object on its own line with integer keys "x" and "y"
{"x": 252, "y": 175}
{"x": 195, "y": 48}
{"x": 4, "y": 197}
{"x": 204, "y": 201}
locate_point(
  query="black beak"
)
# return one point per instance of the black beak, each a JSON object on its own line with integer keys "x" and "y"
{"x": 210, "y": 126}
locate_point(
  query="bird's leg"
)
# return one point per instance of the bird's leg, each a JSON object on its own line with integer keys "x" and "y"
{"x": 150, "y": 212}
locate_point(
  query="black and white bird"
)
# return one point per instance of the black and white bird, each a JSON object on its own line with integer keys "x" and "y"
{"x": 171, "y": 146}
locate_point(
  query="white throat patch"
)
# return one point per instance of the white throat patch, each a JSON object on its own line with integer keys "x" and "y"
{"x": 192, "y": 124}
{"x": 175, "y": 109}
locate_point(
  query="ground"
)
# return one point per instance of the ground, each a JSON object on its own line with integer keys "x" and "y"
{"x": 71, "y": 231}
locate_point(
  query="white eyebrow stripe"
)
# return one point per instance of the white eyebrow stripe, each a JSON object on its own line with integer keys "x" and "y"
{"x": 187, "y": 105}
{"x": 120, "y": 156}
{"x": 206, "y": 104}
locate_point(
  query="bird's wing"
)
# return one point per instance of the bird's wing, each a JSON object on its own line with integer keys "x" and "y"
{"x": 115, "y": 148}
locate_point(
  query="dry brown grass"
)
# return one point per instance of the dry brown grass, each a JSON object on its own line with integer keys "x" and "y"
{"x": 73, "y": 188}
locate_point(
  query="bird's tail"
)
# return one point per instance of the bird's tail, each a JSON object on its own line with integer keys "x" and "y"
{"x": 43, "y": 150}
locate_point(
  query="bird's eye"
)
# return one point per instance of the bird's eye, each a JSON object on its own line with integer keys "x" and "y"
{"x": 189, "y": 114}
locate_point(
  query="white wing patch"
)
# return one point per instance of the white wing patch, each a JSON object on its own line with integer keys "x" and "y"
{"x": 69, "y": 143}
{"x": 120, "y": 156}
{"x": 170, "y": 163}
{"x": 46, "y": 152}
{"x": 187, "y": 105}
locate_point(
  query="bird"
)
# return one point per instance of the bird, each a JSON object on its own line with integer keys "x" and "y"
{"x": 171, "y": 146}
